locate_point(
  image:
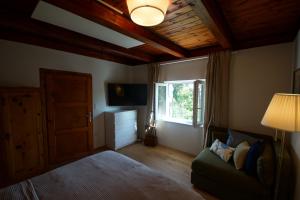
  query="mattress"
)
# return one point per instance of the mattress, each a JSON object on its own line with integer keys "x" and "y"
{"x": 107, "y": 175}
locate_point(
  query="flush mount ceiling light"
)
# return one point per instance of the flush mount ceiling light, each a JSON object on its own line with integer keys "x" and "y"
{"x": 147, "y": 12}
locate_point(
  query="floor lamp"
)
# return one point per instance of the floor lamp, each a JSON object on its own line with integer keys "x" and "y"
{"x": 283, "y": 113}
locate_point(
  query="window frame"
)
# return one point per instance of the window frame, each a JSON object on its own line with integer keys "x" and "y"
{"x": 194, "y": 121}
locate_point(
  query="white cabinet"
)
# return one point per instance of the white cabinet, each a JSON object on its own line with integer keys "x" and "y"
{"x": 120, "y": 128}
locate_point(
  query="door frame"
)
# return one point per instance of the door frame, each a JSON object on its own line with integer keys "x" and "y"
{"x": 43, "y": 73}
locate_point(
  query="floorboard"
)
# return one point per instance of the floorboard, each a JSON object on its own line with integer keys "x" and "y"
{"x": 172, "y": 163}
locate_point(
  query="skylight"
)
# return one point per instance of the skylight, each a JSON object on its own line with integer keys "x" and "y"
{"x": 56, "y": 16}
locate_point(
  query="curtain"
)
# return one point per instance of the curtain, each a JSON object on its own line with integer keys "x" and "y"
{"x": 153, "y": 76}
{"x": 217, "y": 91}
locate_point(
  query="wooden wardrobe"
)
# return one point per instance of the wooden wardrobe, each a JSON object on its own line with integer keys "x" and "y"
{"x": 21, "y": 134}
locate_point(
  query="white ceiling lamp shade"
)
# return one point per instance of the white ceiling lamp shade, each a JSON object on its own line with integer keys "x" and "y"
{"x": 148, "y": 12}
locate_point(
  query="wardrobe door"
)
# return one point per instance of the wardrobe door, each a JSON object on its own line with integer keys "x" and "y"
{"x": 68, "y": 98}
{"x": 21, "y": 133}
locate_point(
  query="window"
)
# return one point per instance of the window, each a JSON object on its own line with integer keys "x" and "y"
{"x": 181, "y": 101}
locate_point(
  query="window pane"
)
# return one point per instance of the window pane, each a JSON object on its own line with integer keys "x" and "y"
{"x": 181, "y": 105}
{"x": 162, "y": 104}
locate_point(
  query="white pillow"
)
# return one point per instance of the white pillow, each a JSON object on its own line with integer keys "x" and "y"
{"x": 240, "y": 154}
{"x": 222, "y": 150}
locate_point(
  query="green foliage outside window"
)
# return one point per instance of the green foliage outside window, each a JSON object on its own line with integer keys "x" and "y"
{"x": 182, "y": 102}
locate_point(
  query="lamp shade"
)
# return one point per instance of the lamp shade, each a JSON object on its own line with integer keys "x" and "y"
{"x": 147, "y": 12}
{"x": 283, "y": 113}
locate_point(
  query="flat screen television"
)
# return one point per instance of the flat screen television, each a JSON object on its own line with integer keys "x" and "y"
{"x": 127, "y": 94}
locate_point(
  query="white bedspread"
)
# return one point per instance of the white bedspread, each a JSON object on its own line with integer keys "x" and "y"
{"x": 107, "y": 175}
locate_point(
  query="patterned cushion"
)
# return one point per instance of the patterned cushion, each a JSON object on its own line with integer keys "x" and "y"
{"x": 222, "y": 150}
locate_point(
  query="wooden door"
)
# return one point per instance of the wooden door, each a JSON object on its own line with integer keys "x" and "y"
{"x": 68, "y": 98}
{"x": 21, "y": 133}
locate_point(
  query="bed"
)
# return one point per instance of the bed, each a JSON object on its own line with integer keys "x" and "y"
{"x": 107, "y": 175}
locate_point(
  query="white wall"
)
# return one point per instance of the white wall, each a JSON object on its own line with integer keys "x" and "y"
{"x": 183, "y": 137}
{"x": 295, "y": 138}
{"x": 255, "y": 75}
{"x": 20, "y": 65}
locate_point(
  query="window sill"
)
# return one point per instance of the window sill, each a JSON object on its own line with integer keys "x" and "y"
{"x": 179, "y": 122}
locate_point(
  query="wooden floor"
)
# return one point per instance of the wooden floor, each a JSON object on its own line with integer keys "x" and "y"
{"x": 172, "y": 163}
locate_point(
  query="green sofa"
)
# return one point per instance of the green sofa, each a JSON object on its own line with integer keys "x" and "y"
{"x": 212, "y": 174}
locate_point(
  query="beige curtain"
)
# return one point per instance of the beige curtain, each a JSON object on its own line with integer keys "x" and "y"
{"x": 217, "y": 91}
{"x": 153, "y": 75}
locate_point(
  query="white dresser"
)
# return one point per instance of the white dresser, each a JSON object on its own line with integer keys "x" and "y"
{"x": 120, "y": 128}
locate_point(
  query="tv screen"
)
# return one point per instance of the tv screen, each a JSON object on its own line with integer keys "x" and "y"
{"x": 127, "y": 94}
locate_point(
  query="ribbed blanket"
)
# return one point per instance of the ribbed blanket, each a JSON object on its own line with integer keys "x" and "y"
{"x": 107, "y": 175}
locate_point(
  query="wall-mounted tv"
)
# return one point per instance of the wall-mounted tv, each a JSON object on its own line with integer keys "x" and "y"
{"x": 127, "y": 94}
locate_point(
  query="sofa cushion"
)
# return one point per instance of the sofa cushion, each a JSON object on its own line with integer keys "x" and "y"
{"x": 266, "y": 166}
{"x": 211, "y": 167}
{"x": 240, "y": 155}
{"x": 236, "y": 137}
{"x": 252, "y": 156}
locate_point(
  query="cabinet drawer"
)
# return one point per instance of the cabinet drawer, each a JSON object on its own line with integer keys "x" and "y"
{"x": 124, "y": 133}
{"x": 125, "y": 116}
{"x": 131, "y": 125}
{"x": 125, "y": 139}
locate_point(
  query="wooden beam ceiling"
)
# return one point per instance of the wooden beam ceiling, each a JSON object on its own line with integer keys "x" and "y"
{"x": 52, "y": 44}
{"x": 98, "y": 13}
{"x": 232, "y": 22}
{"x": 32, "y": 27}
{"x": 211, "y": 15}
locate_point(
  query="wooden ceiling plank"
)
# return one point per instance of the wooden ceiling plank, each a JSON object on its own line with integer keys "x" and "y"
{"x": 175, "y": 20}
{"x": 180, "y": 24}
{"x": 42, "y": 29}
{"x": 100, "y": 14}
{"x": 178, "y": 12}
{"x": 211, "y": 15}
{"x": 197, "y": 28}
{"x": 177, "y": 4}
{"x": 185, "y": 27}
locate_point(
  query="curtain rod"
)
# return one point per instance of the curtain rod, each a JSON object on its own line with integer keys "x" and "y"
{"x": 183, "y": 60}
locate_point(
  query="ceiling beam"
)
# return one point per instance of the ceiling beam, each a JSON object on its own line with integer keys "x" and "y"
{"x": 211, "y": 15}
{"x": 92, "y": 10}
{"x": 60, "y": 35}
{"x": 28, "y": 38}
{"x": 263, "y": 41}
{"x": 20, "y": 8}
{"x": 204, "y": 51}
